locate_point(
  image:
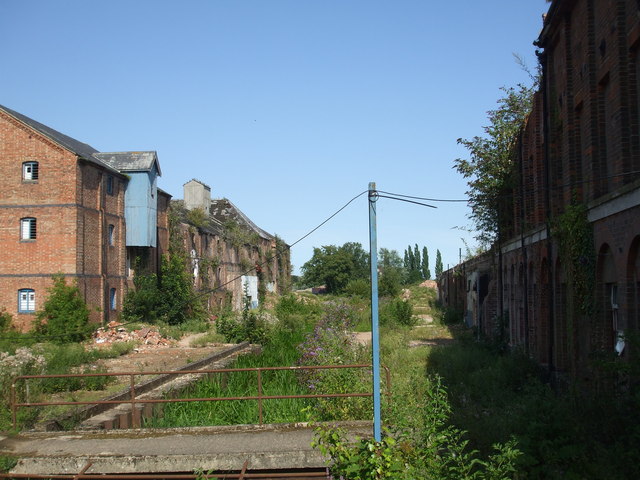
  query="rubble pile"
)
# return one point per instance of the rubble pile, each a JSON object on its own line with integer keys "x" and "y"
{"x": 115, "y": 332}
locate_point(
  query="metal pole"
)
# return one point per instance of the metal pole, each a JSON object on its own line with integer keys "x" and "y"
{"x": 375, "y": 335}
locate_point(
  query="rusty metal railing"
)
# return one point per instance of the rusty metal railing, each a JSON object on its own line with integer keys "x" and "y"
{"x": 134, "y": 400}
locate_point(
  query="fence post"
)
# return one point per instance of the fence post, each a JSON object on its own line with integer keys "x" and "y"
{"x": 259, "y": 396}
{"x": 135, "y": 420}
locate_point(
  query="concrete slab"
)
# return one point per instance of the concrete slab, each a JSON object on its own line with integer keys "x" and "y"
{"x": 170, "y": 450}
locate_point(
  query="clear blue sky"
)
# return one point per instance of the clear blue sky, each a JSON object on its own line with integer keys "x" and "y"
{"x": 289, "y": 108}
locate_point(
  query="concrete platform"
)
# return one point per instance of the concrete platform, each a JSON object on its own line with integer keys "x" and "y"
{"x": 266, "y": 447}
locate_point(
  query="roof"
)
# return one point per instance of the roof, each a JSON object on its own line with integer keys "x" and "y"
{"x": 223, "y": 210}
{"x": 131, "y": 161}
{"x": 198, "y": 181}
{"x": 82, "y": 150}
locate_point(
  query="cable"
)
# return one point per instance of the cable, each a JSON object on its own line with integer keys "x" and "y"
{"x": 424, "y": 198}
{"x": 278, "y": 253}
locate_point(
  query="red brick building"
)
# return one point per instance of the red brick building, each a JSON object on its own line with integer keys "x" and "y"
{"x": 62, "y": 210}
{"x": 580, "y": 147}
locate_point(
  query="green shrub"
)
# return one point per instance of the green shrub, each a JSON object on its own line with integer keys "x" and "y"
{"x": 397, "y": 312}
{"x": 5, "y": 321}
{"x": 358, "y": 287}
{"x": 64, "y": 316}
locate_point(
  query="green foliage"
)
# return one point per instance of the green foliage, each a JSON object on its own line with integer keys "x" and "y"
{"x": 439, "y": 267}
{"x": 335, "y": 266}
{"x": 489, "y": 170}
{"x": 239, "y": 235}
{"x": 64, "y": 316}
{"x": 426, "y": 273}
{"x": 358, "y": 287}
{"x": 7, "y": 463}
{"x": 250, "y": 325}
{"x": 366, "y": 460}
{"x": 331, "y": 343}
{"x": 390, "y": 283}
{"x": 169, "y": 298}
{"x": 431, "y": 449}
{"x": 291, "y": 307}
{"x": 5, "y": 321}
{"x": 574, "y": 233}
{"x": 197, "y": 217}
{"x": 397, "y": 312}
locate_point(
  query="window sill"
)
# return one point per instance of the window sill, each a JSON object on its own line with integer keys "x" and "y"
{"x": 27, "y": 240}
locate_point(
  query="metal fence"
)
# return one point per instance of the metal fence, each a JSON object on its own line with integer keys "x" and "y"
{"x": 136, "y": 403}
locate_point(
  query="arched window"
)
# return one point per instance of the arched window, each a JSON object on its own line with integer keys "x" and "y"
{"x": 26, "y": 300}
{"x": 111, "y": 235}
{"x": 30, "y": 171}
{"x": 28, "y": 228}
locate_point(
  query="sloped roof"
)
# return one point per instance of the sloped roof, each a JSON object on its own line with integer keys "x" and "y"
{"x": 223, "y": 210}
{"x": 82, "y": 150}
{"x": 130, "y": 161}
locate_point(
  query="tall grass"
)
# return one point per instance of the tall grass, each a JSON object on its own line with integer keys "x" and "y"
{"x": 280, "y": 350}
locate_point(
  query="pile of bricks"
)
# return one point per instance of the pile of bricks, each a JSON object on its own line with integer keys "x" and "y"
{"x": 115, "y": 332}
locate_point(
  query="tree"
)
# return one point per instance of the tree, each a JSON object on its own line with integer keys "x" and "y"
{"x": 64, "y": 315}
{"x": 439, "y": 268}
{"x": 426, "y": 273}
{"x": 334, "y": 266}
{"x": 389, "y": 258}
{"x": 489, "y": 170}
{"x": 416, "y": 258}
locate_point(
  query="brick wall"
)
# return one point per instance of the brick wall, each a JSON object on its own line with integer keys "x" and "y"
{"x": 72, "y": 212}
{"x": 581, "y": 144}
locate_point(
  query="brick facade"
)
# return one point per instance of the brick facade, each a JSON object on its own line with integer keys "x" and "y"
{"x": 78, "y": 206}
{"x": 580, "y": 145}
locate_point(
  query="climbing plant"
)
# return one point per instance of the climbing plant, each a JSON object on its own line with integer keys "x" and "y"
{"x": 574, "y": 235}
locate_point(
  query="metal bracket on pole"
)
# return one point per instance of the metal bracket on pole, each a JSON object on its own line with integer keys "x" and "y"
{"x": 375, "y": 335}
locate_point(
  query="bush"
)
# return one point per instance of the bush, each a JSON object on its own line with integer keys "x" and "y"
{"x": 249, "y": 326}
{"x": 358, "y": 287}
{"x": 390, "y": 282}
{"x": 65, "y": 315}
{"x": 5, "y": 321}
{"x": 397, "y": 312}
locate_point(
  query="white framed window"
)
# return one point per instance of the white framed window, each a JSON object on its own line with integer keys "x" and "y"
{"x": 111, "y": 234}
{"x": 26, "y": 300}
{"x": 28, "y": 228}
{"x": 110, "y": 184}
{"x": 112, "y": 299}
{"x": 30, "y": 171}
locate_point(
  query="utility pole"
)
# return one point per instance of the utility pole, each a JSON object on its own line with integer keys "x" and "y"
{"x": 375, "y": 335}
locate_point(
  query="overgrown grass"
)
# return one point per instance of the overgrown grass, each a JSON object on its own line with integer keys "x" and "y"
{"x": 51, "y": 359}
{"x": 279, "y": 351}
{"x": 573, "y": 434}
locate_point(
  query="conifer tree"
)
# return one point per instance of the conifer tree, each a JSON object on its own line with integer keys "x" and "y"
{"x": 425, "y": 264}
{"x": 439, "y": 267}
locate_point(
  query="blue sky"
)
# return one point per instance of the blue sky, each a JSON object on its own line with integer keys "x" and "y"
{"x": 289, "y": 108}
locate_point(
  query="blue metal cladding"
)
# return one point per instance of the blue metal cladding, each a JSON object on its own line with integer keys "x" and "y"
{"x": 141, "y": 208}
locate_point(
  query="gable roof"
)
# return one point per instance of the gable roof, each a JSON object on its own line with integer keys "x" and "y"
{"x": 130, "y": 161}
{"x": 82, "y": 150}
{"x": 223, "y": 210}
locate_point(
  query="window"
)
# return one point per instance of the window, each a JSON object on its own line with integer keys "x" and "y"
{"x": 112, "y": 299}
{"x": 110, "y": 185}
{"x": 111, "y": 235}
{"x": 28, "y": 228}
{"x": 26, "y": 300}
{"x": 30, "y": 171}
